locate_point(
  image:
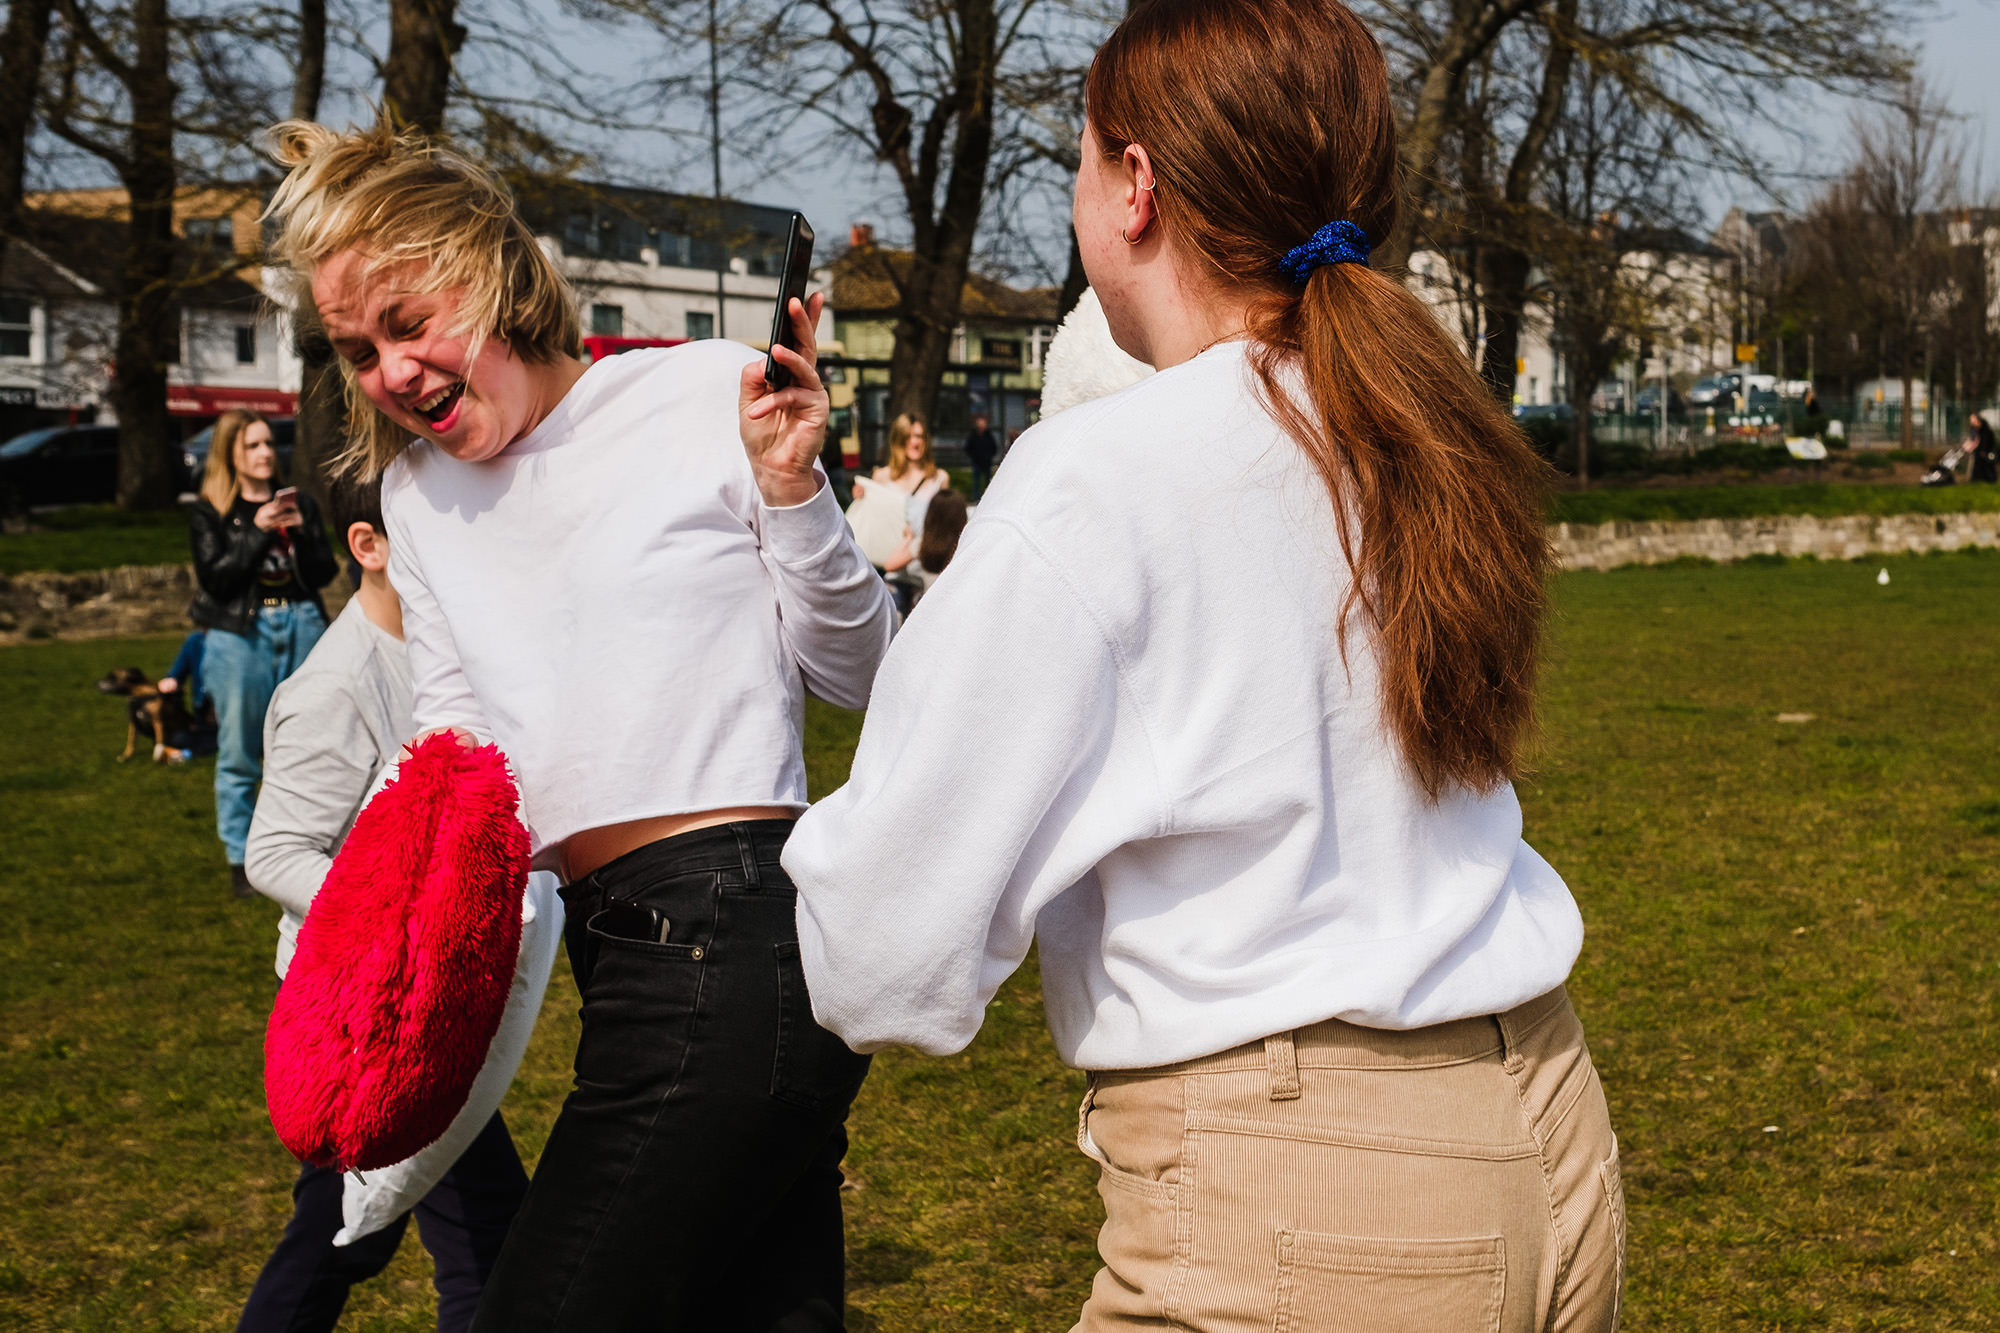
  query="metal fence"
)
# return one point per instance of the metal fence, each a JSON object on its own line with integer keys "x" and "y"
{"x": 1865, "y": 425}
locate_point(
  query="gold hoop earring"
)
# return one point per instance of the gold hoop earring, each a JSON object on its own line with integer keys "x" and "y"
{"x": 1127, "y": 239}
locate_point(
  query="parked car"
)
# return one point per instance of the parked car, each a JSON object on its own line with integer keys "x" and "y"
{"x": 1543, "y": 412}
{"x": 1649, "y": 401}
{"x": 1612, "y": 396}
{"x": 194, "y": 453}
{"x": 1714, "y": 390}
{"x": 59, "y": 465}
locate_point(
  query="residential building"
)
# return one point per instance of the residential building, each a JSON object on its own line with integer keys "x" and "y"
{"x": 995, "y": 362}
{"x": 651, "y": 266}
{"x": 59, "y": 312}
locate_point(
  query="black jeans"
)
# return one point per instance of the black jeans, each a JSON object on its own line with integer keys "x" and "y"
{"x": 692, "y": 1180}
{"x": 463, "y": 1220}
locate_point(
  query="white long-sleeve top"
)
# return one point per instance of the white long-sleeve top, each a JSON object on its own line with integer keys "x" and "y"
{"x": 331, "y": 728}
{"x": 1121, "y": 725}
{"x": 610, "y": 601}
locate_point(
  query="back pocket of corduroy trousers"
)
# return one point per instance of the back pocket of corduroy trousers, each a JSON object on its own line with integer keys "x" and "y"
{"x": 1366, "y": 1284}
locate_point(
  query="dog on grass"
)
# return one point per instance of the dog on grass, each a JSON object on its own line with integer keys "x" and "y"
{"x": 149, "y": 708}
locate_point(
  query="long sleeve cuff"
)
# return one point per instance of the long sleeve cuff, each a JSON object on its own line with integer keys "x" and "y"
{"x": 802, "y": 533}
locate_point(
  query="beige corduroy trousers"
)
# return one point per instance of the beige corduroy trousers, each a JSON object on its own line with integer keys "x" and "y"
{"x": 1461, "y": 1178}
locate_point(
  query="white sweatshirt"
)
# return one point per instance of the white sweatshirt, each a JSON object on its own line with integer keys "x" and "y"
{"x": 1122, "y": 726}
{"x": 610, "y": 601}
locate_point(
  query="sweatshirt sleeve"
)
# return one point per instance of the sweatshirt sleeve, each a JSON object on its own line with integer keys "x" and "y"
{"x": 440, "y": 695}
{"x": 317, "y": 770}
{"x": 835, "y": 612}
{"x": 1002, "y": 758}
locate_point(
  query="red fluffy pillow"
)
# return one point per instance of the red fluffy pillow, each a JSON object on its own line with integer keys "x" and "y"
{"x": 403, "y": 965}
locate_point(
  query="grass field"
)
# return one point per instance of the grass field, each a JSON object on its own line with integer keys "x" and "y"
{"x": 1790, "y": 983}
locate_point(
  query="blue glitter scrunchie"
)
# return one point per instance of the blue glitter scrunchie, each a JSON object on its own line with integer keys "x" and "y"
{"x": 1336, "y": 243}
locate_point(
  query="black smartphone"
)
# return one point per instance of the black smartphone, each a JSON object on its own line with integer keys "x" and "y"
{"x": 798, "y": 268}
{"x": 631, "y": 921}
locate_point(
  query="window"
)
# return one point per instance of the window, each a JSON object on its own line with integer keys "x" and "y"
{"x": 17, "y": 316}
{"x": 246, "y": 344}
{"x": 607, "y": 321}
{"x": 676, "y": 250}
{"x": 701, "y": 324}
{"x": 211, "y": 233}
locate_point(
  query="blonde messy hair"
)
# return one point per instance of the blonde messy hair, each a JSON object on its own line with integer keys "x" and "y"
{"x": 405, "y": 202}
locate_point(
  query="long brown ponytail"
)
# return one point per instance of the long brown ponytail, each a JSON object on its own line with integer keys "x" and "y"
{"x": 1265, "y": 120}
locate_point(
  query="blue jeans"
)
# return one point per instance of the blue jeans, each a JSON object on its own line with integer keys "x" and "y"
{"x": 241, "y": 672}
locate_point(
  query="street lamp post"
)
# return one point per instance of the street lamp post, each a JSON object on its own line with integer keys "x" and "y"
{"x": 715, "y": 157}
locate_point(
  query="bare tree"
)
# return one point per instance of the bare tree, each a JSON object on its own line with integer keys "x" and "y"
{"x": 130, "y": 53}
{"x": 23, "y": 41}
{"x": 1888, "y": 252}
{"x": 424, "y": 36}
{"x": 309, "y": 64}
{"x": 1705, "y": 66}
{"x": 1608, "y": 193}
{"x": 921, "y": 89}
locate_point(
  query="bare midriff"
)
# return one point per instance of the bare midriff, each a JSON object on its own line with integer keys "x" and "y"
{"x": 593, "y": 847}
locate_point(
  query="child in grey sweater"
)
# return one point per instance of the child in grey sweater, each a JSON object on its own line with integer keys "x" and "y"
{"x": 332, "y": 727}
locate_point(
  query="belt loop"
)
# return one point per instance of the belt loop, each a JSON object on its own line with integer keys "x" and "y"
{"x": 1510, "y": 1045}
{"x": 747, "y": 851}
{"x": 1281, "y": 1061}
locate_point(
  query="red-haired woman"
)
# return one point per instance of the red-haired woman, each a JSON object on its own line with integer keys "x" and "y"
{"x": 1220, "y": 703}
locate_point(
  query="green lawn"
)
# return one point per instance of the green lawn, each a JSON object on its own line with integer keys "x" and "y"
{"x": 1790, "y": 926}
{"x": 1822, "y": 499}
{"x": 95, "y": 537}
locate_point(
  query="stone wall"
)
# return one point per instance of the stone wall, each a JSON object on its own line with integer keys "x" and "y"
{"x": 1608, "y": 545}
{"x": 153, "y": 599}
{"x": 133, "y": 599}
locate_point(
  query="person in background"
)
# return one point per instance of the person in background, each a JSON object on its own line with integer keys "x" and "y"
{"x": 1980, "y": 444}
{"x": 259, "y": 563}
{"x": 332, "y": 727}
{"x": 918, "y": 561}
{"x": 982, "y": 448}
{"x": 186, "y": 672}
{"x": 1245, "y": 783}
{"x": 911, "y": 469}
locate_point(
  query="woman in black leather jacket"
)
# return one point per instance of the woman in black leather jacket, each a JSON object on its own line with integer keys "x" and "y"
{"x": 260, "y": 562}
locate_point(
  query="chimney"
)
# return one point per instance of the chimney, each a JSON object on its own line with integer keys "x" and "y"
{"x": 861, "y": 235}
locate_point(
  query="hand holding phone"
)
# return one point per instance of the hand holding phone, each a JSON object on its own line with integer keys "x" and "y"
{"x": 792, "y": 287}
{"x": 783, "y": 406}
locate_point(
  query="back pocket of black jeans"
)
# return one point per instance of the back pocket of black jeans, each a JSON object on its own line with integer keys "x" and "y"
{"x": 812, "y": 1067}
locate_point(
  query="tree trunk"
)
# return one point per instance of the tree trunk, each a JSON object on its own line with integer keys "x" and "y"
{"x": 416, "y": 78}
{"x": 309, "y": 70}
{"x": 1909, "y": 407}
{"x": 322, "y": 415}
{"x": 1503, "y": 282}
{"x": 941, "y": 253}
{"x": 22, "y": 42}
{"x": 148, "y": 309}
{"x": 321, "y": 432}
